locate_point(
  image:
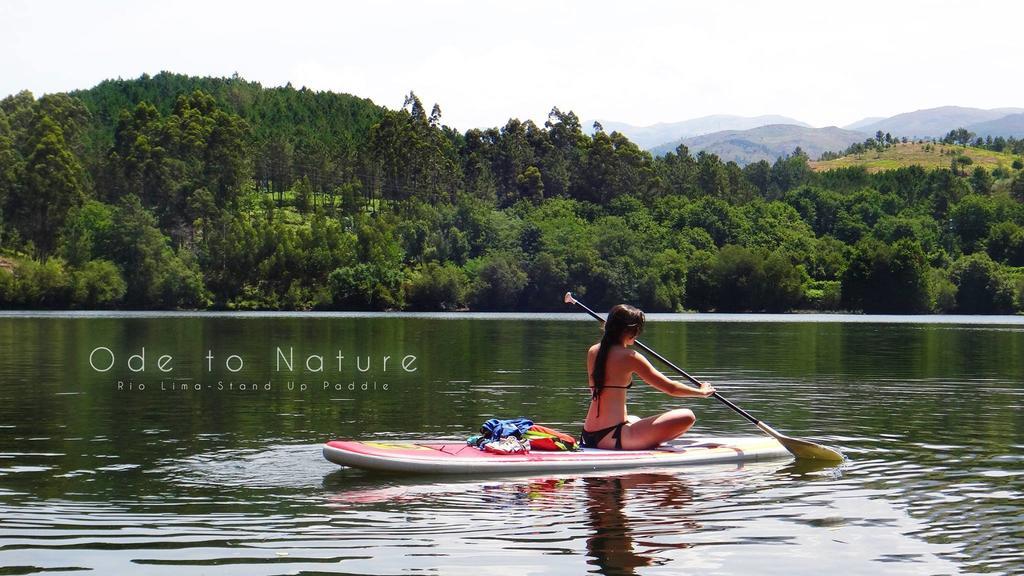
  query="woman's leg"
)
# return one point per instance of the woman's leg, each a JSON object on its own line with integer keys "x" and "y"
{"x": 650, "y": 432}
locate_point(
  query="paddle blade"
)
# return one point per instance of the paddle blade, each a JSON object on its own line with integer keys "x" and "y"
{"x": 803, "y": 448}
{"x": 810, "y": 450}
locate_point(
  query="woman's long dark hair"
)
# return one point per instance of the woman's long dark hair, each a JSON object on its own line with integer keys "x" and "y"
{"x": 623, "y": 320}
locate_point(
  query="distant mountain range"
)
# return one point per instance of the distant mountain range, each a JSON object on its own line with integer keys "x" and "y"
{"x": 858, "y": 125}
{"x": 937, "y": 122}
{"x": 766, "y": 142}
{"x": 1010, "y": 125}
{"x": 648, "y": 137}
{"x": 750, "y": 139}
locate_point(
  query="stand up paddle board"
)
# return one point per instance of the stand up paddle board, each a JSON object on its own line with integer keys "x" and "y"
{"x": 427, "y": 457}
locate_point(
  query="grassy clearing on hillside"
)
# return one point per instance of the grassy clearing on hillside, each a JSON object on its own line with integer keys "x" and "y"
{"x": 927, "y": 156}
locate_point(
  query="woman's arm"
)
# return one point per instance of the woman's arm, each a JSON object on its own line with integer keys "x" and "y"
{"x": 648, "y": 373}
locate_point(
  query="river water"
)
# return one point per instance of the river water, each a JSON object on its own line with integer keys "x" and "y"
{"x": 201, "y": 455}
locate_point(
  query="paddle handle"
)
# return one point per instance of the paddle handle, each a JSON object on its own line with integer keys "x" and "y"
{"x": 570, "y": 300}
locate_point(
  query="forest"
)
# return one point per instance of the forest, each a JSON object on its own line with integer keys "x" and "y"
{"x": 178, "y": 192}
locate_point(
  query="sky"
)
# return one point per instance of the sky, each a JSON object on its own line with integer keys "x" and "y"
{"x": 824, "y": 63}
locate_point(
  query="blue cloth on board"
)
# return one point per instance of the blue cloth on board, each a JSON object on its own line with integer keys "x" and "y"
{"x": 495, "y": 429}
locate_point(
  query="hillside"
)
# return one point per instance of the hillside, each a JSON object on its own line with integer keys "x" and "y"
{"x": 936, "y": 122}
{"x": 301, "y": 116}
{"x": 235, "y": 196}
{"x": 766, "y": 143}
{"x": 648, "y": 137}
{"x": 927, "y": 156}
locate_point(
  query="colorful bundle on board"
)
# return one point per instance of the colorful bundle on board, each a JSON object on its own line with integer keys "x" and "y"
{"x": 520, "y": 435}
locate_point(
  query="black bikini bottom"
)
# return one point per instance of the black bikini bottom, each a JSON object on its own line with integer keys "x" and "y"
{"x": 592, "y": 439}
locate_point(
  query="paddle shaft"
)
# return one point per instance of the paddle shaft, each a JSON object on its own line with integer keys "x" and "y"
{"x": 668, "y": 363}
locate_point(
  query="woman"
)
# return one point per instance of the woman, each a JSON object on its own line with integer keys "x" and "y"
{"x": 611, "y": 365}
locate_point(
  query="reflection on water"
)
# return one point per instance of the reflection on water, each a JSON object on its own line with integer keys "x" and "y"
{"x": 611, "y": 545}
{"x": 266, "y": 511}
{"x": 201, "y": 482}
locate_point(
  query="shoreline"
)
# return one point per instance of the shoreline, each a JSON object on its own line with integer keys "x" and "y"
{"x": 790, "y": 317}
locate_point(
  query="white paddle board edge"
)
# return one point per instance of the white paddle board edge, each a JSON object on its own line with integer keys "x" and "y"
{"x": 436, "y": 457}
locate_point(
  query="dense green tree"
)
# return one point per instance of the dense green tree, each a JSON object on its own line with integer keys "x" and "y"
{"x": 617, "y": 246}
{"x": 679, "y": 172}
{"x": 285, "y": 115}
{"x": 512, "y": 155}
{"x": 922, "y": 230}
{"x": 945, "y": 189}
{"x": 226, "y": 160}
{"x": 87, "y": 233}
{"x": 908, "y": 183}
{"x": 10, "y": 167}
{"x": 273, "y": 168}
{"x": 959, "y": 136}
{"x": 715, "y": 216}
{"x": 70, "y": 114}
{"x": 822, "y": 295}
{"x": 738, "y": 277}
{"x": 818, "y": 207}
{"x": 848, "y": 180}
{"x": 364, "y": 287}
{"x": 712, "y": 177}
{"x": 20, "y": 111}
{"x": 560, "y": 149}
{"x": 37, "y": 284}
{"x": 943, "y": 292}
{"x": 436, "y": 287}
{"x": 700, "y": 283}
{"x": 773, "y": 225}
{"x": 783, "y": 284}
{"x": 499, "y": 283}
{"x": 887, "y": 279}
{"x": 548, "y": 280}
{"x": 960, "y": 163}
{"x": 790, "y": 172}
{"x": 165, "y": 160}
{"x": 1017, "y": 188}
{"x": 412, "y": 156}
{"x": 759, "y": 174}
{"x": 663, "y": 283}
{"x": 98, "y": 284}
{"x": 981, "y": 181}
{"x": 749, "y": 281}
{"x": 971, "y": 220}
{"x": 982, "y": 288}
{"x": 1005, "y": 243}
{"x": 303, "y": 195}
{"x": 137, "y": 162}
{"x": 53, "y": 183}
{"x": 236, "y": 254}
{"x": 157, "y": 276}
{"x": 531, "y": 184}
{"x": 613, "y": 166}
{"x": 827, "y": 260}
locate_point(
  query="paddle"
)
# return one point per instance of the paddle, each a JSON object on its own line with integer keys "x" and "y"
{"x": 799, "y": 448}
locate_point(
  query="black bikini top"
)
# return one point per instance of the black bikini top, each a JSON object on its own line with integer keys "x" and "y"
{"x": 595, "y": 395}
